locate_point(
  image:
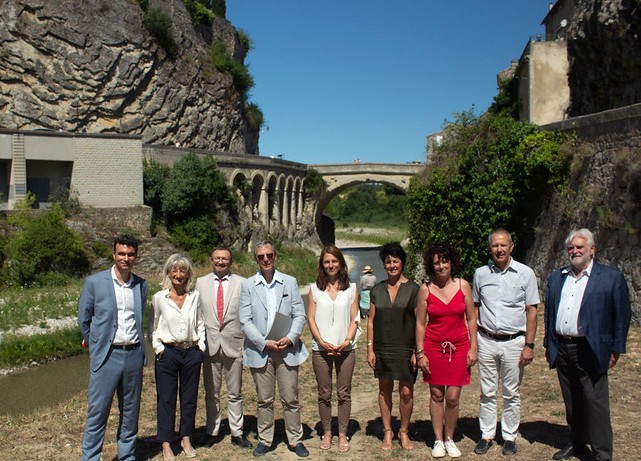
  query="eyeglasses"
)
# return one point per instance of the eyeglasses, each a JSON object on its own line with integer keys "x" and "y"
{"x": 268, "y": 256}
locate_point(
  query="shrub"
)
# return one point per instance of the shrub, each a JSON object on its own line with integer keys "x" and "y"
{"x": 101, "y": 249}
{"x": 41, "y": 246}
{"x": 254, "y": 116}
{"x": 245, "y": 40}
{"x": 159, "y": 26}
{"x": 224, "y": 62}
{"x": 196, "y": 202}
{"x": 200, "y": 13}
{"x": 219, "y": 7}
{"x": 314, "y": 182}
{"x": 491, "y": 171}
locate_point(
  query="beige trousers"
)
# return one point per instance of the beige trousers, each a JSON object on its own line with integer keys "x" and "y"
{"x": 213, "y": 367}
{"x": 265, "y": 378}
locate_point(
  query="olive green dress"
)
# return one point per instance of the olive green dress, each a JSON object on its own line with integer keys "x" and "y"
{"x": 394, "y": 331}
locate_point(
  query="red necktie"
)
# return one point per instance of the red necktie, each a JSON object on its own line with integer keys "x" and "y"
{"x": 220, "y": 301}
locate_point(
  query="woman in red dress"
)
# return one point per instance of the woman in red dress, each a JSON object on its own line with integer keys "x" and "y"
{"x": 449, "y": 342}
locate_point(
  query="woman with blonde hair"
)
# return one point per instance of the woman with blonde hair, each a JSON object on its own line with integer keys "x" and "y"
{"x": 178, "y": 339}
{"x": 334, "y": 322}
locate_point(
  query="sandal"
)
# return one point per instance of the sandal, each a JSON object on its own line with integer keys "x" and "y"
{"x": 404, "y": 440}
{"x": 387, "y": 443}
{"x": 343, "y": 444}
{"x": 326, "y": 443}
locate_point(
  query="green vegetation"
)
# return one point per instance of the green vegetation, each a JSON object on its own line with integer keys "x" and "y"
{"x": 17, "y": 350}
{"x": 159, "y": 26}
{"x": 200, "y": 12}
{"x": 192, "y": 201}
{"x": 378, "y": 236}
{"x": 245, "y": 40}
{"x": 491, "y": 171}
{"x": 374, "y": 205}
{"x": 314, "y": 182}
{"x": 224, "y": 62}
{"x": 33, "y": 306}
{"x": 40, "y": 249}
{"x": 254, "y": 116}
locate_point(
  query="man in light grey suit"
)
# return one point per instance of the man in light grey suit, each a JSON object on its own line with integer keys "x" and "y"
{"x": 271, "y": 307}
{"x": 219, "y": 297}
{"x": 110, "y": 319}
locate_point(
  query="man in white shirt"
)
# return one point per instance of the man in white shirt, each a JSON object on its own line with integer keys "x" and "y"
{"x": 219, "y": 298}
{"x": 271, "y": 306}
{"x": 506, "y": 295}
{"x": 587, "y": 317}
{"x": 110, "y": 313}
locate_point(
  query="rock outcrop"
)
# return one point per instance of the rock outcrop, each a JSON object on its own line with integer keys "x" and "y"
{"x": 92, "y": 66}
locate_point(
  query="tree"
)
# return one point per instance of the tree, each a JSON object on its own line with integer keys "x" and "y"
{"x": 491, "y": 171}
{"x": 195, "y": 201}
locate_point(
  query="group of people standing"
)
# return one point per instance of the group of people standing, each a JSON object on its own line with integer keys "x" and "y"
{"x": 442, "y": 327}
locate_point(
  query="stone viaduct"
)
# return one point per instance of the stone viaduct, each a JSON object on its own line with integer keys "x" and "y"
{"x": 105, "y": 171}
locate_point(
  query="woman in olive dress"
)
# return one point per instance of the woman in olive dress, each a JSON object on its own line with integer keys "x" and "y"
{"x": 391, "y": 341}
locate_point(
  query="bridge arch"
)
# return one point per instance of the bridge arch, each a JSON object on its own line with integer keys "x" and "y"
{"x": 340, "y": 177}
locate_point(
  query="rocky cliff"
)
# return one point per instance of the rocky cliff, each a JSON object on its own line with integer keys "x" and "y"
{"x": 92, "y": 66}
{"x": 604, "y": 47}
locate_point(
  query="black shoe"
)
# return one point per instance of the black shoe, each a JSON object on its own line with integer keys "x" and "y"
{"x": 240, "y": 441}
{"x": 566, "y": 452}
{"x": 301, "y": 451}
{"x": 482, "y": 446}
{"x": 260, "y": 449}
{"x": 509, "y": 447}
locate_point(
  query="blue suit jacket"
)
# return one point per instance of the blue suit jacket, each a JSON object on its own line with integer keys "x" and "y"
{"x": 97, "y": 314}
{"x": 252, "y": 313}
{"x": 605, "y": 313}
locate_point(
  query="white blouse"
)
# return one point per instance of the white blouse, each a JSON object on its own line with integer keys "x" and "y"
{"x": 333, "y": 317}
{"x": 175, "y": 325}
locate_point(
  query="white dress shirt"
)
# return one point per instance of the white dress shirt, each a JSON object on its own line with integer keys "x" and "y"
{"x": 173, "y": 324}
{"x": 567, "y": 318}
{"x": 126, "y": 332}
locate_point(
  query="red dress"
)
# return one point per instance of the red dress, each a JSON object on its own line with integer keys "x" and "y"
{"x": 447, "y": 341}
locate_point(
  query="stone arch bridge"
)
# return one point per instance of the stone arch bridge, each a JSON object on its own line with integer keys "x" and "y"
{"x": 273, "y": 189}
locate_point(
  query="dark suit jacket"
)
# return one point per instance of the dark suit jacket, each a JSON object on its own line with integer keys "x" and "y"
{"x": 605, "y": 313}
{"x": 97, "y": 314}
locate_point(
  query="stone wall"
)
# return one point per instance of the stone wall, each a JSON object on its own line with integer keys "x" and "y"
{"x": 604, "y": 195}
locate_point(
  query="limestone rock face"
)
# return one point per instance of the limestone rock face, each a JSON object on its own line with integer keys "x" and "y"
{"x": 92, "y": 66}
{"x": 604, "y": 47}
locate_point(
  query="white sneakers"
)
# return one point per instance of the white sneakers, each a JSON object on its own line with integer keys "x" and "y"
{"x": 439, "y": 449}
{"x": 452, "y": 451}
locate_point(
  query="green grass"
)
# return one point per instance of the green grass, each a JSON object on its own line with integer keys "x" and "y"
{"x": 30, "y": 306}
{"x": 17, "y": 350}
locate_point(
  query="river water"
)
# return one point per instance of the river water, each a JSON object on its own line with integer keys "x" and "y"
{"x": 57, "y": 381}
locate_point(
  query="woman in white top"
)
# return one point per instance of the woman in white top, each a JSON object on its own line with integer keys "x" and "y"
{"x": 178, "y": 339}
{"x": 334, "y": 322}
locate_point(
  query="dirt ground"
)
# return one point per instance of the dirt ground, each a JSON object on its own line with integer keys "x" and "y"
{"x": 56, "y": 432}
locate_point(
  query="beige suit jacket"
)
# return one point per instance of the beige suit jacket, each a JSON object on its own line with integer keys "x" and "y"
{"x": 227, "y": 336}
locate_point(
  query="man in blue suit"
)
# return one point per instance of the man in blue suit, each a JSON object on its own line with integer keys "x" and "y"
{"x": 587, "y": 316}
{"x": 272, "y": 317}
{"x": 110, "y": 319}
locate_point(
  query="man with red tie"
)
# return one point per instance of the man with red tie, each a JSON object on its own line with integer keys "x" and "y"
{"x": 219, "y": 297}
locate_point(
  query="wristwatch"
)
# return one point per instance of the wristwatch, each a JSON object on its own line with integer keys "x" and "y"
{"x": 530, "y": 345}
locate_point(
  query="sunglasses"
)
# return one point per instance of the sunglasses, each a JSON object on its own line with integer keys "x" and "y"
{"x": 268, "y": 256}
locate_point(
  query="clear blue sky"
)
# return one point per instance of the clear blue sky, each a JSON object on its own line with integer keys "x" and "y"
{"x": 339, "y": 80}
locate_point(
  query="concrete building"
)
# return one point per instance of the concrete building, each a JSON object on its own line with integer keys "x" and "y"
{"x": 541, "y": 73}
{"x": 99, "y": 170}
